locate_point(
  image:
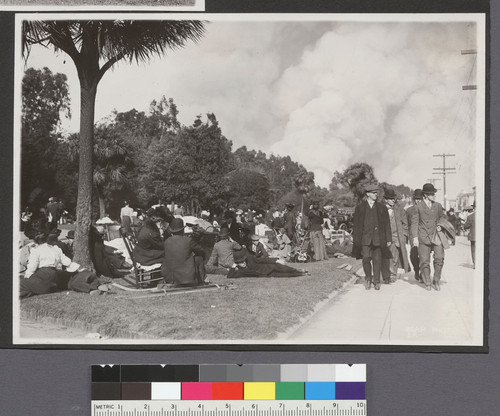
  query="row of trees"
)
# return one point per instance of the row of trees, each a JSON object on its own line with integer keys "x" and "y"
{"x": 150, "y": 157}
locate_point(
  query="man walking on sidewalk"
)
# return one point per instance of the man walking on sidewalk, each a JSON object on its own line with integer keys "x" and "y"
{"x": 424, "y": 231}
{"x": 410, "y": 211}
{"x": 371, "y": 235}
{"x": 399, "y": 231}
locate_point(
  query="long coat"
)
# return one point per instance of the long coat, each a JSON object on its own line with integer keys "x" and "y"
{"x": 424, "y": 222}
{"x": 384, "y": 228}
{"x": 402, "y": 230}
{"x": 149, "y": 248}
{"x": 178, "y": 264}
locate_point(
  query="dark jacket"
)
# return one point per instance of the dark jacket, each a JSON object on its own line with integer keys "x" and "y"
{"x": 263, "y": 267}
{"x": 260, "y": 251}
{"x": 149, "y": 248}
{"x": 384, "y": 228}
{"x": 178, "y": 264}
{"x": 447, "y": 232}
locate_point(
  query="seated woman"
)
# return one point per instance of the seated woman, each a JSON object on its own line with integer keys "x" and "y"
{"x": 183, "y": 263}
{"x": 44, "y": 270}
{"x": 149, "y": 249}
{"x": 106, "y": 260}
{"x": 248, "y": 265}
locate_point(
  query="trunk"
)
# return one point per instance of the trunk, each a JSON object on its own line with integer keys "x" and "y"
{"x": 102, "y": 204}
{"x": 302, "y": 205}
{"x": 84, "y": 202}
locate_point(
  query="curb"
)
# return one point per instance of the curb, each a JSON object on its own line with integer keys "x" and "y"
{"x": 293, "y": 329}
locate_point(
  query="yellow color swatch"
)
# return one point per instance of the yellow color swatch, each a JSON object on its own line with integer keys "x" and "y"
{"x": 259, "y": 391}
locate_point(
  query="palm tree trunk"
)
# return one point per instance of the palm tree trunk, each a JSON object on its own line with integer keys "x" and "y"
{"x": 84, "y": 202}
{"x": 102, "y": 204}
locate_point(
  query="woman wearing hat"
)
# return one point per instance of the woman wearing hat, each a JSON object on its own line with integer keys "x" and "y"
{"x": 247, "y": 265}
{"x": 149, "y": 248}
{"x": 183, "y": 262}
{"x": 256, "y": 247}
{"x": 316, "y": 219}
{"x": 44, "y": 269}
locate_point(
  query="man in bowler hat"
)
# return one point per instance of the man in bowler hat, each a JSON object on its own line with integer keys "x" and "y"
{"x": 371, "y": 235}
{"x": 410, "y": 211}
{"x": 424, "y": 227}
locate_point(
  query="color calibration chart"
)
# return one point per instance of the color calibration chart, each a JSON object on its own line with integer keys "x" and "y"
{"x": 229, "y": 390}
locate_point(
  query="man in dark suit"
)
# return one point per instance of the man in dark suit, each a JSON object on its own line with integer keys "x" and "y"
{"x": 417, "y": 199}
{"x": 183, "y": 262}
{"x": 371, "y": 235}
{"x": 470, "y": 224}
{"x": 424, "y": 226}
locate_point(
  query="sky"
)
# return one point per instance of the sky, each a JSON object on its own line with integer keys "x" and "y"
{"x": 326, "y": 92}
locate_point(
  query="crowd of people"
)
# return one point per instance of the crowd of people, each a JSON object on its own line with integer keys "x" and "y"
{"x": 382, "y": 229}
{"x": 246, "y": 243}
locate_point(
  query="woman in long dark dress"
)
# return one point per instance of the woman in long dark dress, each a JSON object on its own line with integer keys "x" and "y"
{"x": 44, "y": 270}
{"x": 150, "y": 238}
{"x": 248, "y": 265}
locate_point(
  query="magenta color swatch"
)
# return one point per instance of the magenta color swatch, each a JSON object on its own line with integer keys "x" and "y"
{"x": 196, "y": 391}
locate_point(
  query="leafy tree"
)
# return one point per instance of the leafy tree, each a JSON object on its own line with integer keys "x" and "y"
{"x": 112, "y": 163}
{"x": 94, "y": 47}
{"x": 45, "y": 101}
{"x": 191, "y": 169}
{"x": 248, "y": 189}
{"x": 355, "y": 177}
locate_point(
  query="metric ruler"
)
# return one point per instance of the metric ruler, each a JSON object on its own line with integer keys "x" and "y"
{"x": 229, "y": 408}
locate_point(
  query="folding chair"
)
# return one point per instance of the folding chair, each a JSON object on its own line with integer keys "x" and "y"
{"x": 144, "y": 275}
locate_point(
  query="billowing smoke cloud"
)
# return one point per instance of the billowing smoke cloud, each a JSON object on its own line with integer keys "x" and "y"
{"x": 386, "y": 94}
{"x": 328, "y": 94}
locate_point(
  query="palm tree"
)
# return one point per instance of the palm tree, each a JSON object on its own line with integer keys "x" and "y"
{"x": 94, "y": 47}
{"x": 112, "y": 162}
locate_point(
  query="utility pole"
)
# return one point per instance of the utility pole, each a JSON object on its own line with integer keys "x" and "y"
{"x": 469, "y": 52}
{"x": 442, "y": 171}
{"x": 433, "y": 181}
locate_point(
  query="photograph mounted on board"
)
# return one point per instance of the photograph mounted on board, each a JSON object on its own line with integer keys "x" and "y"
{"x": 114, "y": 5}
{"x": 250, "y": 180}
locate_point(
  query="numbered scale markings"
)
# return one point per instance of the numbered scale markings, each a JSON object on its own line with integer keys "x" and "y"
{"x": 232, "y": 408}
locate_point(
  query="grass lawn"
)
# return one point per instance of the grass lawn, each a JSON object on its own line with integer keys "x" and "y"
{"x": 257, "y": 309}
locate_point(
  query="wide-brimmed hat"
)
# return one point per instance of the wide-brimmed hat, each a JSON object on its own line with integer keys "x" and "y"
{"x": 371, "y": 187}
{"x": 240, "y": 255}
{"x": 418, "y": 194}
{"x": 224, "y": 232}
{"x": 255, "y": 237}
{"x": 428, "y": 188}
{"x": 389, "y": 194}
{"x": 176, "y": 225}
{"x": 158, "y": 213}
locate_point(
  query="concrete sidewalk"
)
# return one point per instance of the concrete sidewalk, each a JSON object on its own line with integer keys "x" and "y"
{"x": 404, "y": 312}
